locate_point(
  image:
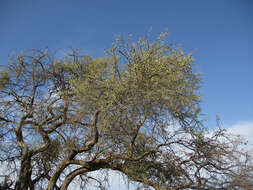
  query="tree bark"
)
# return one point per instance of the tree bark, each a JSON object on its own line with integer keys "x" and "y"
{"x": 24, "y": 180}
{"x": 52, "y": 182}
{"x": 71, "y": 176}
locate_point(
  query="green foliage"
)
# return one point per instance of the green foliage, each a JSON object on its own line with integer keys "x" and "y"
{"x": 140, "y": 79}
{"x": 4, "y": 79}
{"x": 134, "y": 110}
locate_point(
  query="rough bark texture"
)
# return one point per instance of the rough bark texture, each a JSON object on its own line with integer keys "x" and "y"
{"x": 24, "y": 181}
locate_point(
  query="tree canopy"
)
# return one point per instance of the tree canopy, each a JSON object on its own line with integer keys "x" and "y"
{"x": 135, "y": 110}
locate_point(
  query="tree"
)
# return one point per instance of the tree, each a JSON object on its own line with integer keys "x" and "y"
{"x": 135, "y": 111}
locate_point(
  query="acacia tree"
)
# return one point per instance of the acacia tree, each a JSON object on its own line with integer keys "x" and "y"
{"x": 135, "y": 111}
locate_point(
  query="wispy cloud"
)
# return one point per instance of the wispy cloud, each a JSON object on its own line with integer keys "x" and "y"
{"x": 245, "y": 129}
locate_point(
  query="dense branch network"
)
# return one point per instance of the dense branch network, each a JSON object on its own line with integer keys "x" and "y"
{"x": 135, "y": 111}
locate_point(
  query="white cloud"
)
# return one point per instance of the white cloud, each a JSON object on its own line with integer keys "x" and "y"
{"x": 245, "y": 129}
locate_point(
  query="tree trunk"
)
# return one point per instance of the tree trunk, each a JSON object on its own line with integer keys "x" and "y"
{"x": 24, "y": 178}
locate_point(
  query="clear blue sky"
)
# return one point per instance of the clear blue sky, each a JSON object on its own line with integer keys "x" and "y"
{"x": 220, "y": 32}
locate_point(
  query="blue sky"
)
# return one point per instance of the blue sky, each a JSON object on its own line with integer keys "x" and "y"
{"x": 219, "y": 32}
